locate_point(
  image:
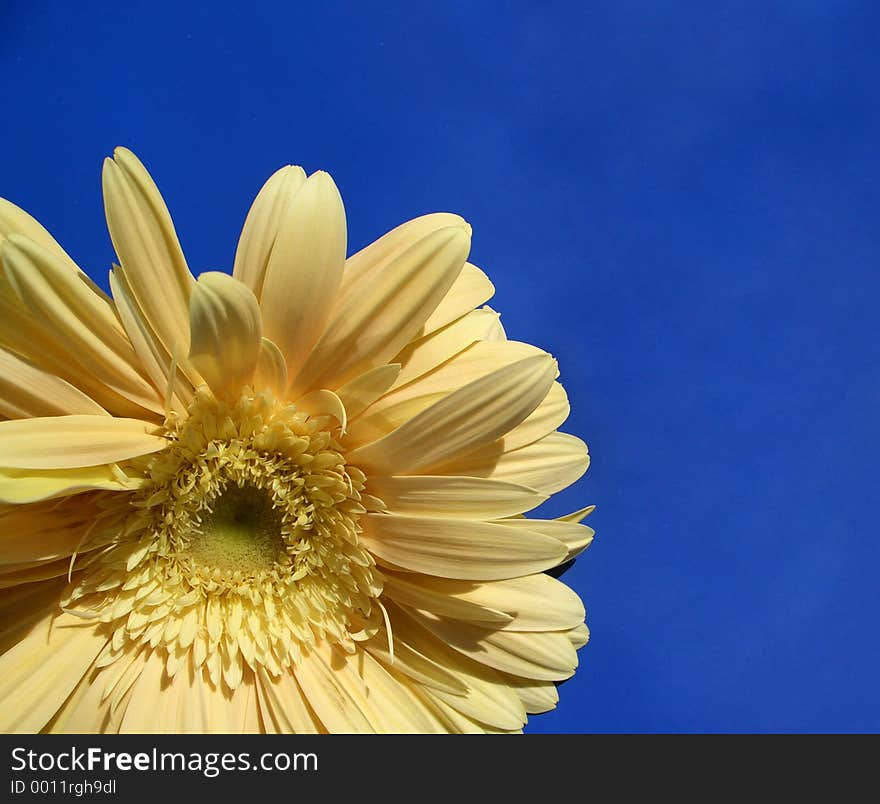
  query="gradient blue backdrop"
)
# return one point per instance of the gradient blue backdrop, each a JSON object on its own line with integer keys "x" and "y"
{"x": 678, "y": 200}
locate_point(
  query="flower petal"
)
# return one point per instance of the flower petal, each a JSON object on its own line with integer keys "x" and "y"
{"x": 27, "y": 336}
{"x": 26, "y": 390}
{"x": 458, "y": 548}
{"x": 38, "y": 673}
{"x": 372, "y": 325}
{"x": 547, "y": 465}
{"x": 577, "y": 516}
{"x": 537, "y": 696}
{"x": 417, "y": 591}
{"x": 282, "y": 704}
{"x": 323, "y": 403}
{"x": 366, "y": 388}
{"x": 184, "y": 704}
{"x": 542, "y": 421}
{"x": 12, "y": 575}
{"x": 329, "y": 697}
{"x": 262, "y": 224}
{"x": 14, "y": 220}
{"x": 392, "y": 706}
{"x": 470, "y": 289}
{"x": 578, "y": 636}
{"x": 87, "y": 710}
{"x": 86, "y": 321}
{"x": 225, "y": 331}
{"x": 467, "y": 497}
{"x": 531, "y": 603}
{"x": 543, "y": 656}
{"x": 60, "y": 529}
{"x": 363, "y": 268}
{"x": 575, "y": 537}
{"x": 474, "y": 415}
{"x": 425, "y": 354}
{"x": 271, "y": 370}
{"x": 304, "y": 269}
{"x": 402, "y": 404}
{"x": 154, "y": 357}
{"x": 146, "y": 243}
{"x": 487, "y": 699}
{"x": 414, "y": 665}
{"x": 21, "y": 486}
{"x": 66, "y": 442}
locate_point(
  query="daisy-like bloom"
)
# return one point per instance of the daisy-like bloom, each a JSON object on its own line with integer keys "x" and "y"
{"x": 287, "y": 500}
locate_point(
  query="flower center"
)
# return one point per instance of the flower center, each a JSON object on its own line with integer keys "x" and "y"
{"x": 241, "y": 531}
{"x": 242, "y": 550}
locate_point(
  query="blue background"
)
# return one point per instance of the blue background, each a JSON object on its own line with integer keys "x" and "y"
{"x": 680, "y": 201}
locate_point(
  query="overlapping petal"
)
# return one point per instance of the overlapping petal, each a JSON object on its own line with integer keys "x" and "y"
{"x": 377, "y": 318}
{"x": 226, "y": 331}
{"x": 70, "y": 442}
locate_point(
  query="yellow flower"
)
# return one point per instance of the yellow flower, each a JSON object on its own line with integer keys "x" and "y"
{"x": 286, "y": 500}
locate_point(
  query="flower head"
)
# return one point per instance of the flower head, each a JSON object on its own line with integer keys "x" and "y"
{"x": 290, "y": 499}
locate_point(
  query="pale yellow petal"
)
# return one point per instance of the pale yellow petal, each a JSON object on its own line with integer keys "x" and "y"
{"x": 547, "y": 465}
{"x": 323, "y": 403}
{"x": 27, "y": 336}
{"x": 363, "y": 268}
{"x": 417, "y": 591}
{"x": 403, "y": 403}
{"x": 154, "y": 357}
{"x": 14, "y": 220}
{"x": 413, "y": 664}
{"x": 186, "y": 703}
{"x": 283, "y": 705}
{"x": 363, "y": 390}
{"x": 271, "y": 370}
{"x": 476, "y": 414}
{"x": 542, "y": 656}
{"x": 496, "y": 333}
{"x": 578, "y": 636}
{"x": 531, "y": 603}
{"x": 26, "y": 390}
{"x": 67, "y": 305}
{"x": 21, "y": 486}
{"x": 470, "y": 289}
{"x": 487, "y": 698}
{"x": 373, "y": 690}
{"x": 425, "y": 354}
{"x": 220, "y": 710}
{"x": 457, "y": 722}
{"x": 391, "y": 706}
{"x": 38, "y": 673}
{"x": 147, "y": 689}
{"x": 261, "y": 226}
{"x": 368, "y": 328}
{"x": 226, "y": 331}
{"x": 304, "y": 269}
{"x": 537, "y": 696}
{"x": 575, "y": 537}
{"x": 577, "y": 516}
{"x": 67, "y": 442}
{"x": 458, "y": 548}
{"x": 146, "y": 243}
{"x": 30, "y": 533}
{"x": 330, "y": 697}
{"x": 87, "y": 710}
{"x": 549, "y": 415}
{"x": 467, "y": 497}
